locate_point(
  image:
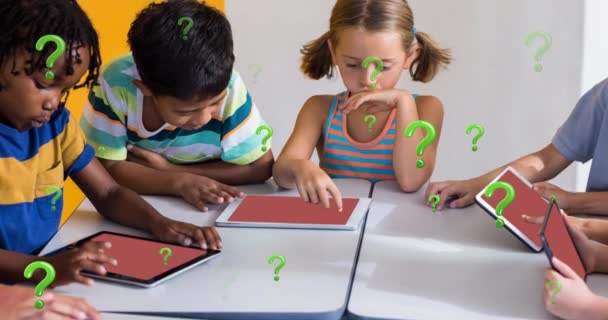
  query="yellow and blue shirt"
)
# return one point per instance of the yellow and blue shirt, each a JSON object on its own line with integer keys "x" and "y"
{"x": 112, "y": 119}
{"x": 33, "y": 167}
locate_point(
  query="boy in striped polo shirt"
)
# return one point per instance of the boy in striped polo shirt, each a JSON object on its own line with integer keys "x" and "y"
{"x": 173, "y": 117}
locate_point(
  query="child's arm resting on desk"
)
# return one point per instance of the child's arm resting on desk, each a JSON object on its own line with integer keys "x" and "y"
{"x": 125, "y": 207}
{"x": 257, "y": 171}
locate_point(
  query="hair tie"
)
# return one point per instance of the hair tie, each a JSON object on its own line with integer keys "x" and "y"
{"x": 414, "y": 30}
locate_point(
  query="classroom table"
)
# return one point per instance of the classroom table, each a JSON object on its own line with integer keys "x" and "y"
{"x": 451, "y": 264}
{"x": 314, "y": 283}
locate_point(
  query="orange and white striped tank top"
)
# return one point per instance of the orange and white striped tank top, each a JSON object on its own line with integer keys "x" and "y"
{"x": 344, "y": 157}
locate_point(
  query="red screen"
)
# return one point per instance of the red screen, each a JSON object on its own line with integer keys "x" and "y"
{"x": 274, "y": 209}
{"x": 561, "y": 244}
{"x": 141, "y": 259}
{"x": 526, "y": 201}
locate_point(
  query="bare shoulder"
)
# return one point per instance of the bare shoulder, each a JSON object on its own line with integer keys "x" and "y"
{"x": 317, "y": 107}
{"x": 429, "y": 106}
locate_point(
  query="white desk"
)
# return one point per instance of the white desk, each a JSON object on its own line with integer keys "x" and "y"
{"x": 314, "y": 282}
{"x": 453, "y": 264}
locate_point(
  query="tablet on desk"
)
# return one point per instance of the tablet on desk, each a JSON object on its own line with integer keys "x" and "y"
{"x": 557, "y": 241}
{"x": 292, "y": 212}
{"x": 140, "y": 261}
{"x": 526, "y": 201}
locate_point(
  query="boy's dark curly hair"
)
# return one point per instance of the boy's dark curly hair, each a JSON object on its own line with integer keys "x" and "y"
{"x": 23, "y": 22}
{"x": 200, "y": 66}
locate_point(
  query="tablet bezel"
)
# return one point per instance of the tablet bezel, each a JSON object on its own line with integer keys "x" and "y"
{"x": 115, "y": 277}
{"x": 353, "y": 223}
{"x": 507, "y": 224}
{"x": 545, "y": 243}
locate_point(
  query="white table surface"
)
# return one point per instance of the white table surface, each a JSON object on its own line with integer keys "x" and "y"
{"x": 453, "y": 264}
{"x": 314, "y": 283}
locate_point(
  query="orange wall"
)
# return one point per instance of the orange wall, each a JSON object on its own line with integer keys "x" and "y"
{"x": 112, "y": 19}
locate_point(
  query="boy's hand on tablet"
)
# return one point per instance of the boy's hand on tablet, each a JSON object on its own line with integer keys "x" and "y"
{"x": 199, "y": 191}
{"x": 547, "y": 190}
{"x": 574, "y": 299}
{"x": 313, "y": 184}
{"x": 90, "y": 257}
{"x": 460, "y": 193}
{"x": 187, "y": 234}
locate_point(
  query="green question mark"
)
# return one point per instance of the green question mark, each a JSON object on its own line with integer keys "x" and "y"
{"x": 278, "y": 268}
{"x": 379, "y": 68}
{"x": 48, "y": 278}
{"x": 371, "y": 123}
{"x": 542, "y": 50}
{"x": 477, "y": 136}
{"x": 50, "y": 61}
{"x": 188, "y": 26}
{"x": 505, "y": 202}
{"x": 266, "y": 137}
{"x": 50, "y": 190}
{"x": 436, "y": 199}
{"x": 553, "y": 283}
{"x": 167, "y": 255}
{"x": 430, "y": 137}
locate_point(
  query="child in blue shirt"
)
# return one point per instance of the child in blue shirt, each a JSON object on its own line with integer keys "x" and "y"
{"x": 41, "y": 145}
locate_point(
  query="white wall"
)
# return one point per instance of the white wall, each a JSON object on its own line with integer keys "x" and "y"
{"x": 491, "y": 82}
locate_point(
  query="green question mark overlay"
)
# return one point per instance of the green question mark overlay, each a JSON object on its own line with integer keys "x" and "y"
{"x": 372, "y": 120}
{"x": 168, "y": 253}
{"x": 278, "y": 268}
{"x": 188, "y": 26}
{"x": 553, "y": 283}
{"x": 50, "y": 61}
{"x": 505, "y": 202}
{"x": 379, "y": 68}
{"x": 430, "y": 137}
{"x": 435, "y": 199}
{"x": 266, "y": 137}
{"x": 50, "y": 190}
{"x": 477, "y": 136}
{"x": 48, "y": 278}
{"x": 548, "y": 41}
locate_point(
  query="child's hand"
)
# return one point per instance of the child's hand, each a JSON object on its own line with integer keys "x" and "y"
{"x": 90, "y": 256}
{"x": 187, "y": 233}
{"x": 377, "y": 101}
{"x": 147, "y": 158}
{"x": 574, "y": 299}
{"x": 459, "y": 193}
{"x": 547, "y": 190}
{"x": 19, "y": 305}
{"x": 199, "y": 191}
{"x": 313, "y": 184}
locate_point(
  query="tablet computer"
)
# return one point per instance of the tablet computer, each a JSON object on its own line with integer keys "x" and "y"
{"x": 557, "y": 241}
{"x": 140, "y": 260}
{"x": 292, "y": 212}
{"x": 526, "y": 201}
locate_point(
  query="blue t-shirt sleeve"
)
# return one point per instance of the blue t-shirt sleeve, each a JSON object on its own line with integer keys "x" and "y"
{"x": 577, "y": 138}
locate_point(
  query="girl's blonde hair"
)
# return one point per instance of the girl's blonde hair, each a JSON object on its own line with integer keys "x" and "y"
{"x": 374, "y": 16}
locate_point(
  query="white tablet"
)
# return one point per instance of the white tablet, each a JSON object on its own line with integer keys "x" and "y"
{"x": 292, "y": 212}
{"x": 526, "y": 201}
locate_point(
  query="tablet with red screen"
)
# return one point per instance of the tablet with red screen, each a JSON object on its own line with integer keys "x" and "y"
{"x": 558, "y": 242}
{"x": 140, "y": 260}
{"x": 293, "y": 212}
{"x": 526, "y": 201}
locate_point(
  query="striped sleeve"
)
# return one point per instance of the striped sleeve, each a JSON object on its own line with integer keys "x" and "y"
{"x": 103, "y": 120}
{"x": 239, "y": 142}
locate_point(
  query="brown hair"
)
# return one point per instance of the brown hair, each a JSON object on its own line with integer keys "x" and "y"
{"x": 374, "y": 16}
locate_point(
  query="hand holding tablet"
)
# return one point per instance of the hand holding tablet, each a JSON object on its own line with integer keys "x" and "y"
{"x": 140, "y": 261}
